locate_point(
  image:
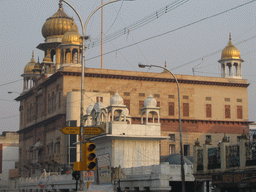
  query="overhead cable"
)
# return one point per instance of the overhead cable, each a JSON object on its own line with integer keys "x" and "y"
{"x": 182, "y": 27}
{"x": 138, "y": 24}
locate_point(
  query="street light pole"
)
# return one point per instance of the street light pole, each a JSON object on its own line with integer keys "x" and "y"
{"x": 180, "y": 129}
{"x": 84, "y": 26}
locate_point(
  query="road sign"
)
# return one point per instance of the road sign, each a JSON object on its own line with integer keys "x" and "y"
{"x": 87, "y": 130}
{"x": 88, "y": 176}
{"x": 93, "y": 131}
{"x": 70, "y": 130}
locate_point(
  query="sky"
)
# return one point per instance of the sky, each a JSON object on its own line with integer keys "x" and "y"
{"x": 189, "y": 37}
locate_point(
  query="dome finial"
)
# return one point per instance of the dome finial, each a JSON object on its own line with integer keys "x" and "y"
{"x": 33, "y": 54}
{"x": 165, "y": 64}
{"x": 60, "y": 5}
{"x": 229, "y": 36}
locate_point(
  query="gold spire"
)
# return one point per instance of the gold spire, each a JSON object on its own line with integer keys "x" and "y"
{"x": 165, "y": 65}
{"x": 230, "y": 51}
{"x": 60, "y": 5}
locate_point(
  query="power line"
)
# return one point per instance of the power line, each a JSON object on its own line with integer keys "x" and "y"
{"x": 139, "y": 23}
{"x": 11, "y": 82}
{"x": 182, "y": 27}
{"x": 9, "y": 117}
{"x": 7, "y": 100}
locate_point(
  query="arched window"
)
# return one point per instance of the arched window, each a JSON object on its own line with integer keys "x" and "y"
{"x": 75, "y": 56}
{"x": 49, "y": 103}
{"x": 208, "y": 110}
{"x": 53, "y": 55}
{"x": 227, "y": 111}
{"x": 171, "y": 108}
{"x": 239, "y": 112}
{"x": 53, "y": 101}
{"x": 229, "y": 69}
{"x": 236, "y": 68}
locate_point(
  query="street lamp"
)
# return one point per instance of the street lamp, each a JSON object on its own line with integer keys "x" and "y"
{"x": 180, "y": 129}
{"x": 10, "y": 92}
{"x": 84, "y": 37}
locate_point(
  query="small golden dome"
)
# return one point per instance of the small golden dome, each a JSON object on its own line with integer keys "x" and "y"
{"x": 230, "y": 51}
{"x": 72, "y": 37}
{"x": 30, "y": 66}
{"x": 58, "y": 24}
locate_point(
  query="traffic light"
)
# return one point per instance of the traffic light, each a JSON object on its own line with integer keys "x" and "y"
{"x": 89, "y": 156}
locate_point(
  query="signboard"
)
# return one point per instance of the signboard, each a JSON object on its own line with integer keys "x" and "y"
{"x": 233, "y": 179}
{"x": 70, "y": 130}
{"x": 104, "y": 168}
{"x": 87, "y": 130}
{"x": 88, "y": 176}
{"x": 92, "y": 131}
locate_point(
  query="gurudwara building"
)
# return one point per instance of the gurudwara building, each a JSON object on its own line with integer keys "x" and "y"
{"x": 210, "y": 106}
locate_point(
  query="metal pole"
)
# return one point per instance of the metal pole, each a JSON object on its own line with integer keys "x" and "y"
{"x": 82, "y": 93}
{"x": 180, "y": 129}
{"x": 101, "y": 35}
{"x": 82, "y": 76}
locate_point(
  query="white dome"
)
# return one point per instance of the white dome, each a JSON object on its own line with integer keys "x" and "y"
{"x": 150, "y": 102}
{"x": 116, "y": 100}
{"x": 98, "y": 106}
{"x": 125, "y": 112}
{"x": 89, "y": 109}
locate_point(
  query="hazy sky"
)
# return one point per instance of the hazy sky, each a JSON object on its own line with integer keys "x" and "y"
{"x": 199, "y": 44}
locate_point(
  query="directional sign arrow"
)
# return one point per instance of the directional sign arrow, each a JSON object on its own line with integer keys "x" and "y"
{"x": 92, "y": 130}
{"x": 70, "y": 130}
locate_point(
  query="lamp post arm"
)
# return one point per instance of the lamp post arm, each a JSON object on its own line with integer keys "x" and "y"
{"x": 80, "y": 19}
{"x": 86, "y": 22}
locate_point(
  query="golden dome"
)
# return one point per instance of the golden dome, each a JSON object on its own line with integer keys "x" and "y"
{"x": 58, "y": 24}
{"x": 72, "y": 37}
{"x": 30, "y": 66}
{"x": 230, "y": 51}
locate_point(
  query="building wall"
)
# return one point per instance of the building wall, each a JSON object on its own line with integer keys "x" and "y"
{"x": 9, "y": 142}
{"x": 135, "y": 153}
{"x": 134, "y": 87}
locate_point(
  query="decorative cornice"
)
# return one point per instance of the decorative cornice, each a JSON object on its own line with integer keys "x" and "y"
{"x": 162, "y": 120}
{"x": 141, "y": 78}
{"x": 132, "y": 77}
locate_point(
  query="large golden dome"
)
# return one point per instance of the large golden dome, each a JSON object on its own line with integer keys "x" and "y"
{"x": 30, "y": 66}
{"x": 72, "y": 37}
{"x": 230, "y": 51}
{"x": 58, "y": 24}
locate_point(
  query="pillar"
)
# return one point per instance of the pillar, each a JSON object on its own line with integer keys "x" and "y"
{"x": 205, "y": 154}
{"x": 223, "y": 145}
{"x": 242, "y": 151}
{"x": 58, "y": 56}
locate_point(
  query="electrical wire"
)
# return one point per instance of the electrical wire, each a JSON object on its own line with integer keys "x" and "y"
{"x": 182, "y": 27}
{"x": 9, "y": 117}
{"x": 11, "y": 82}
{"x": 116, "y": 16}
{"x": 139, "y": 23}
